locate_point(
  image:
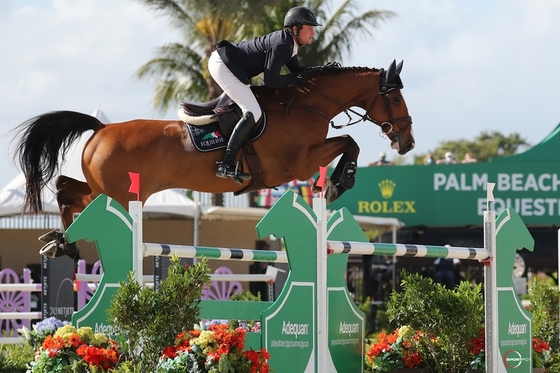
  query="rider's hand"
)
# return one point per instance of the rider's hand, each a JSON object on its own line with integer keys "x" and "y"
{"x": 301, "y": 78}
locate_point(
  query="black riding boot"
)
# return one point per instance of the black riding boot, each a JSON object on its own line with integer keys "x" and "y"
{"x": 227, "y": 167}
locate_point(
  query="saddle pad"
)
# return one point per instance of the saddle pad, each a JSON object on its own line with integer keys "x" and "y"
{"x": 209, "y": 137}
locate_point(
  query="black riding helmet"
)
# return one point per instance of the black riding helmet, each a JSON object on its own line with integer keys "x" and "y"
{"x": 300, "y": 15}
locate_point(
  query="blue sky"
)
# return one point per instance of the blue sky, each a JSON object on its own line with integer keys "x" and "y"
{"x": 470, "y": 66}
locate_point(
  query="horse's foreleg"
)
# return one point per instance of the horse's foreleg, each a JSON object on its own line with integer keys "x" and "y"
{"x": 344, "y": 175}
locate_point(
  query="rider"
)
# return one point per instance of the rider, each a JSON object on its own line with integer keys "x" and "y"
{"x": 233, "y": 64}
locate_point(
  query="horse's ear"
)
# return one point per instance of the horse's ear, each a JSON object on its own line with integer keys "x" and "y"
{"x": 391, "y": 72}
{"x": 399, "y": 67}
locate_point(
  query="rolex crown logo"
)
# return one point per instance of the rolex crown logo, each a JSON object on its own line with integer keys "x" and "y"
{"x": 387, "y": 187}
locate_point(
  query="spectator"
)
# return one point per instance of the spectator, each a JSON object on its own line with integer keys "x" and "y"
{"x": 449, "y": 159}
{"x": 444, "y": 272}
{"x": 469, "y": 158}
{"x": 429, "y": 159}
{"x": 382, "y": 161}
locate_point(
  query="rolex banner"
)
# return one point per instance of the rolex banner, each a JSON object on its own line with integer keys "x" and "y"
{"x": 455, "y": 195}
{"x": 447, "y": 195}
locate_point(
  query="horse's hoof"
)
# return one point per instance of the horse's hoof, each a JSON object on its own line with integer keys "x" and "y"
{"x": 49, "y": 236}
{"x": 331, "y": 194}
{"x": 326, "y": 185}
{"x": 50, "y": 249}
{"x": 330, "y": 191}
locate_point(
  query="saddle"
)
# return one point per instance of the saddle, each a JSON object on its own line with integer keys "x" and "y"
{"x": 222, "y": 103}
{"x": 210, "y": 125}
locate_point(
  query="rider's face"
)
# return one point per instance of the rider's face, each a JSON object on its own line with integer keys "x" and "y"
{"x": 305, "y": 36}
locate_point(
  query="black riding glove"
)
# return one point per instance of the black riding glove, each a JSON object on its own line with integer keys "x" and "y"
{"x": 301, "y": 78}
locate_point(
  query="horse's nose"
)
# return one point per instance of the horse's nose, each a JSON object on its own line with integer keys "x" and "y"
{"x": 406, "y": 148}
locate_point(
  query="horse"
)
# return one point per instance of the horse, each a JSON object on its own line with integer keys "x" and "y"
{"x": 293, "y": 145}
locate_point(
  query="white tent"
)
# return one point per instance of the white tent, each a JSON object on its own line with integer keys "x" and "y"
{"x": 170, "y": 202}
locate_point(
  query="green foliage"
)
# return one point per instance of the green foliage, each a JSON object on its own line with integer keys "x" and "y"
{"x": 553, "y": 364}
{"x": 545, "y": 303}
{"x": 14, "y": 358}
{"x": 152, "y": 319}
{"x": 129, "y": 367}
{"x": 453, "y": 317}
{"x": 489, "y": 144}
{"x": 381, "y": 321}
{"x": 373, "y": 234}
{"x": 246, "y": 295}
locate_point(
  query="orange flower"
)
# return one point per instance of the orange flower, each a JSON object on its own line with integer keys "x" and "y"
{"x": 392, "y": 338}
{"x": 82, "y": 349}
{"x": 194, "y": 333}
{"x": 112, "y": 355}
{"x": 74, "y": 340}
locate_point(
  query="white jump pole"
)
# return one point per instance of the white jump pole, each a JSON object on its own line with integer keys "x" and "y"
{"x": 320, "y": 209}
{"x": 490, "y": 287}
{"x": 135, "y": 211}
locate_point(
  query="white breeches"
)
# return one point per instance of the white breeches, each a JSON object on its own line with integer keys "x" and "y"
{"x": 240, "y": 93}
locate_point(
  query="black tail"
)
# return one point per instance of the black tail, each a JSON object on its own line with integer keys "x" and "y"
{"x": 44, "y": 141}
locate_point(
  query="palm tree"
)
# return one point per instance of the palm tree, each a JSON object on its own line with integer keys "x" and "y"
{"x": 180, "y": 69}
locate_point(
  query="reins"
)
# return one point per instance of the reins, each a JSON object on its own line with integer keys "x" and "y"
{"x": 362, "y": 117}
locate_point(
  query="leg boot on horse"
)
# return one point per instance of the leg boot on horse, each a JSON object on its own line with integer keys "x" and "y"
{"x": 227, "y": 167}
{"x": 57, "y": 245}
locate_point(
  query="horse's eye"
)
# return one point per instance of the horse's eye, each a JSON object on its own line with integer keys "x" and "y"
{"x": 396, "y": 99}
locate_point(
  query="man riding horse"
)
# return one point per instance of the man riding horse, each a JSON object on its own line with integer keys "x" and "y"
{"x": 232, "y": 65}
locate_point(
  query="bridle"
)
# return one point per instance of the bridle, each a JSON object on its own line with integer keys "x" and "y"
{"x": 387, "y": 127}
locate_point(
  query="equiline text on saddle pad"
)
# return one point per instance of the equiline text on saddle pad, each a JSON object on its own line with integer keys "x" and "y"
{"x": 214, "y": 136}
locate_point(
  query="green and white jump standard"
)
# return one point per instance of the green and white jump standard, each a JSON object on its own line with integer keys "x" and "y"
{"x": 314, "y": 325}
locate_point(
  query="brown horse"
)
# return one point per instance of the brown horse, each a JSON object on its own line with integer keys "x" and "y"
{"x": 293, "y": 145}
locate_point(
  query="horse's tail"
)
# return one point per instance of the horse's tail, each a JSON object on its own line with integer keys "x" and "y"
{"x": 44, "y": 141}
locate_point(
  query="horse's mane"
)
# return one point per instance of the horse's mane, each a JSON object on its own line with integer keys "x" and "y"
{"x": 330, "y": 68}
{"x": 335, "y": 68}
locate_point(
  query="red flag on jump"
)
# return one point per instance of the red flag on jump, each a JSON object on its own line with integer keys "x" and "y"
{"x": 134, "y": 184}
{"x": 322, "y": 176}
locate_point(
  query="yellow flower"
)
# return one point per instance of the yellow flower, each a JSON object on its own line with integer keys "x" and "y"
{"x": 405, "y": 332}
{"x": 98, "y": 339}
{"x": 204, "y": 341}
{"x": 66, "y": 331}
{"x": 86, "y": 334}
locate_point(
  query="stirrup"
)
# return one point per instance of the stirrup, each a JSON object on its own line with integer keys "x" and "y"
{"x": 231, "y": 171}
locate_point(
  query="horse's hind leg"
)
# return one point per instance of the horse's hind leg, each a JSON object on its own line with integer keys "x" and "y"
{"x": 72, "y": 197}
{"x": 77, "y": 186}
